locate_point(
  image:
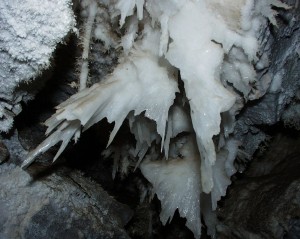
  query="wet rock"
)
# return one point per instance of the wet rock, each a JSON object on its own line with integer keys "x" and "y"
{"x": 291, "y": 116}
{"x": 63, "y": 204}
{"x": 4, "y": 154}
{"x": 266, "y": 202}
{"x": 282, "y": 46}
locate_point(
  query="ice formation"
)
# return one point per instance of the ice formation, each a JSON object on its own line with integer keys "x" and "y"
{"x": 209, "y": 45}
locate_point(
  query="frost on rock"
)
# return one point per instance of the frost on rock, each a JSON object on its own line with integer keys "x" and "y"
{"x": 186, "y": 71}
{"x": 29, "y": 33}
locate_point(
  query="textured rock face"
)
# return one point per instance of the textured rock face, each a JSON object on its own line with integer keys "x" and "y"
{"x": 282, "y": 46}
{"x": 63, "y": 204}
{"x": 29, "y": 33}
{"x": 266, "y": 202}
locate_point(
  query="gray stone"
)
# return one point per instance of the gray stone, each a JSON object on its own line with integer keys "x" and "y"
{"x": 63, "y": 204}
{"x": 282, "y": 46}
{"x": 4, "y": 154}
{"x": 265, "y": 203}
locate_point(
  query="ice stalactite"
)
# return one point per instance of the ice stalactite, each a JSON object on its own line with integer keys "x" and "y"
{"x": 211, "y": 46}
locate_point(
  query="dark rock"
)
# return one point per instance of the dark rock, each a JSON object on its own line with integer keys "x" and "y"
{"x": 265, "y": 203}
{"x": 4, "y": 154}
{"x": 102, "y": 62}
{"x": 291, "y": 116}
{"x": 63, "y": 204}
{"x": 282, "y": 45}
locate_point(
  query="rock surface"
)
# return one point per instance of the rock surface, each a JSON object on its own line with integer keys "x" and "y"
{"x": 265, "y": 203}
{"x": 282, "y": 46}
{"x": 63, "y": 204}
{"x": 53, "y": 202}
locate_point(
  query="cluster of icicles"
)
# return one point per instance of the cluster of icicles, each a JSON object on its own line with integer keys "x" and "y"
{"x": 211, "y": 45}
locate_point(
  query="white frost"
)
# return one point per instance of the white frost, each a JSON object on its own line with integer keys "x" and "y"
{"x": 29, "y": 33}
